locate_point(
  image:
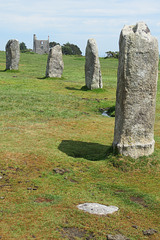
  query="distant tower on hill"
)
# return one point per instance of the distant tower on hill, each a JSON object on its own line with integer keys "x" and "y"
{"x": 40, "y": 46}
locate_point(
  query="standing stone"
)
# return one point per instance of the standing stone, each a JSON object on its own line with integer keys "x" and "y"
{"x": 55, "y": 63}
{"x": 93, "y": 76}
{"x": 136, "y": 91}
{"x": 12, "y": 54}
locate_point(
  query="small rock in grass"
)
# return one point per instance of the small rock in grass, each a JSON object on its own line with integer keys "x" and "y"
{"x": 60, "y": 171}
{"x": 149, "y": 232}
{"x": 134, "y": 226}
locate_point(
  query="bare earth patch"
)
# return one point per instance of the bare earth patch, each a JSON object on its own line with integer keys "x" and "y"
{"x": 41, "y": 200}
{"x": 72, "y": 233}
{"x": 139, "y": 200}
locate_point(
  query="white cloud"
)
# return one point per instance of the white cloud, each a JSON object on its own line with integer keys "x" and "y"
{"x": 70, "y": 20}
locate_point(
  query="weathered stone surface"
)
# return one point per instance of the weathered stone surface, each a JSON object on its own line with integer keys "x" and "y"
{"x": 116, "y": 237}
{"x": 149, "y": 232}
{"x": 96, "y": 208}
{"x": 12, "y": 54}
{"x": 55, "y": 63}
{"x": 93, "y": 78}
{"x": 136, "y": 91}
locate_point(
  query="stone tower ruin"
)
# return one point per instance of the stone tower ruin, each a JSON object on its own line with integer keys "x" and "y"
{"x": 40, "y": 46}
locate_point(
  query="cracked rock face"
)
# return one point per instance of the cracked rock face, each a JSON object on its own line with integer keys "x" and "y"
{"x": 93, "y": 78}
{"x": 55, "y": 63}
{"x": 136, "y": 91}
{"x": 96, "y": 208}
{"x": 12, "y": 54}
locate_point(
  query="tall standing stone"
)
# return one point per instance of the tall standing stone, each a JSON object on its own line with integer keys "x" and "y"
{"x": 136, "y": 91}
{"x": 93, "y": 78}
{"x": 55, "y": 63}
{"x": 12, "y": 54}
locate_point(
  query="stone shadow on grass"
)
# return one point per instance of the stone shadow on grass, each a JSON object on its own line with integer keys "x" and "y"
{"x": 41, "y": 78}
{"x": 86, "y": 150}
{"x": 50, "y": 78}
{"x": 10, "y": 71}
{"x": 84, "y": 88}
{"x": 73, "y": 88}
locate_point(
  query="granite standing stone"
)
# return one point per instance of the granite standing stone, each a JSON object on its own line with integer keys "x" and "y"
{"x": 93, "y": 78}
{"x": 136, "y": 91}
{"x": 55, "y": 63}
{"x": 12, "y": 54}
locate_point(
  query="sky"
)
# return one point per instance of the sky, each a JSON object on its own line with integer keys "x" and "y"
{"x": 75, "y": 21}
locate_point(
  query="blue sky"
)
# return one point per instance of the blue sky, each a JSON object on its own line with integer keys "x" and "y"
{"x": 75, "y": 21}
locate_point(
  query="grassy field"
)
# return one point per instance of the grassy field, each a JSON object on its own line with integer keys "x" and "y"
{"x": 56, "y": 153}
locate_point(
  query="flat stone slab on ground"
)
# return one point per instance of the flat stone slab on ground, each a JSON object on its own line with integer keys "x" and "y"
{"x": 116, "y": 237}
{"x": 96, "y": 208}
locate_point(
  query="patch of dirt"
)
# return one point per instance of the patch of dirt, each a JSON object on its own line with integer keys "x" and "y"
{"x": 72, "y": 233}
{"x": 6, "y": 187}
{"x": 138, "y": 200}
{"x": 28, "y": 163}
{"x": 41, "y": 200}
{"x": 85, "y": 99}
{"x": 61, "y": 171}
{"x": 85, "y": 113}
{"x": 73, "y": 180}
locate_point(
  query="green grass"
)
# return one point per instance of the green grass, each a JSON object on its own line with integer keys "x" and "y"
{"x": 55, "y": 123}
